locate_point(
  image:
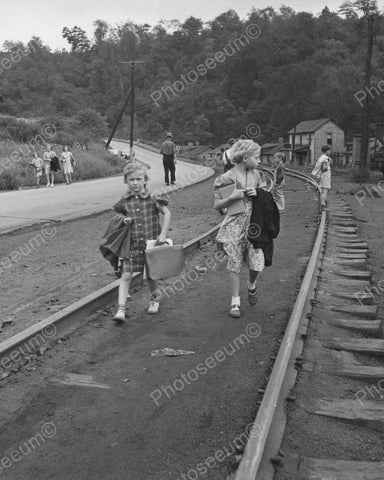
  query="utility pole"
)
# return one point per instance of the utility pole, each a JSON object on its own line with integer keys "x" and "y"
{"x": 132, "y": 110}
{"x": 131, "y": 95}
{"x": 132, "y": 62}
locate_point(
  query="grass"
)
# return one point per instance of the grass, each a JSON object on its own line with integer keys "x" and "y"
{"x": 16, "y": 173}
{"x": 373, "y": 184}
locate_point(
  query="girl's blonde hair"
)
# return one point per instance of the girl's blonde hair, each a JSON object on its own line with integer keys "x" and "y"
{"x": 135, "y": 167}
{"x": 242, "y": 148}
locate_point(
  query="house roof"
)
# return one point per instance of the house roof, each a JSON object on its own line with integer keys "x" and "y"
{"x": 309, "y": 126}
{"x": 302, "y": 149}
{"x": 271, "y": 148}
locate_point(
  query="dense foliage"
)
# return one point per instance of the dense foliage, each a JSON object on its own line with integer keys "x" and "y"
{"x": 300, "y": 67}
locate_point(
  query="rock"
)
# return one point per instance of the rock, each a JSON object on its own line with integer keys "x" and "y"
{"x": 42, "y": 350}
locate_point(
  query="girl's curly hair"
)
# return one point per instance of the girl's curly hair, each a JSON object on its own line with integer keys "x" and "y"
{"x": 242, "y": 148}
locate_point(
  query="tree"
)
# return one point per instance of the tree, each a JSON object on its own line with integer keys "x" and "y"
{"x": 77, "y": 38}
{"x": 101, "y": 30}
{"x": 202, "y": 129}
{"x": 370, "y": 12}
{"x": 91, "y": 122}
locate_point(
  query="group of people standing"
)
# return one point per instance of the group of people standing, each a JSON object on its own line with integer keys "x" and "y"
{"x": 50, "y": 164}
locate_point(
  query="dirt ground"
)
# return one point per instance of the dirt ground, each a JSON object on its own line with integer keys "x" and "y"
{"x": 104, "y": 407}
{"x": 54, "y": 268}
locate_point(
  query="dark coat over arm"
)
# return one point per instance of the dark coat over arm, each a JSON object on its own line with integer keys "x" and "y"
{"x": 264, "y": 224}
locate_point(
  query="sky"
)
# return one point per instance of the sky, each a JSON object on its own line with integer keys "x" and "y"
{"x": 22, "y": 19}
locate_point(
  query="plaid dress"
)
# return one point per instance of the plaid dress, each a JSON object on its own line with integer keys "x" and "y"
{"x": 144, "y": 211}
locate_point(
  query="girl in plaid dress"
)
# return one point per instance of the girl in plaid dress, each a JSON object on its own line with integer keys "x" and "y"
{"x": 233, "y": 231}
{"x": 141, "y": 211}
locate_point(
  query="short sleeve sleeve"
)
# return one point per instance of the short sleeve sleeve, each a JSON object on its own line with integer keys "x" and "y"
{"x": 222, "y": 180}
{"x": 119, "y": 207}
{"x": 160, "y": 201}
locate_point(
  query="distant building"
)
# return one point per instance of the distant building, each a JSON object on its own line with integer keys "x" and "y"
{"x": 268, "y": 150}
{"x": 307, "y": 138}
{"x": 375, "y": 148}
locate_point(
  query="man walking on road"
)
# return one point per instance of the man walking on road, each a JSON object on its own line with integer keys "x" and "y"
{"x": 168, "y": 149}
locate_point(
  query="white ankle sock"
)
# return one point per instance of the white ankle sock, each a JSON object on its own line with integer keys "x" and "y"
{"x": 235, "y": 301}
{"x": 251, "y": 286}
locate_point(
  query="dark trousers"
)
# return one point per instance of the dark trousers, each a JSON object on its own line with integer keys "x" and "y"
{"x": 169, "y": 167}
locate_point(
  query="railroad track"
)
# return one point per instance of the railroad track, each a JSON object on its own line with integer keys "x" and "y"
{"x": 336, "y": 269}
{"x": 335, "y": 302}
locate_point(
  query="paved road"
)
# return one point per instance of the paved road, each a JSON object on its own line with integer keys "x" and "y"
{"x": 24, "y": 208}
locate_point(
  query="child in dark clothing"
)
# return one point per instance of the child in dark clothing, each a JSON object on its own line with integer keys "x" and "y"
{"x": 279, "y": 159}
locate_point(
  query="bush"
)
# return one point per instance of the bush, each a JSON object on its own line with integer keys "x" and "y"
{"x": 19, "y": 130}
{"x": 91, "y": 123}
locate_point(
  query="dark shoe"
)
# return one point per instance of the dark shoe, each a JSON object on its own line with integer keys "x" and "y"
{"x": 167, "y": 184}
{"x": 173, "y": 183}
{"x": 252, "y": 296}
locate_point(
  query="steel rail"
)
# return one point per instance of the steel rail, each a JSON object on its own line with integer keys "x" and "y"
{"x": 251, "y": 461}
{"x": 72, "y": 317}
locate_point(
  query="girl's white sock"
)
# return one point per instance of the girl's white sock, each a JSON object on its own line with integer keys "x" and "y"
{"x": 251, "y": 286}
{"x": 235, "y": 301}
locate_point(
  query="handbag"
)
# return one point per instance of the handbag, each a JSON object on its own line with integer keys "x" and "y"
{"x": 324, "y": 166}
{"x": 164, "y": 261}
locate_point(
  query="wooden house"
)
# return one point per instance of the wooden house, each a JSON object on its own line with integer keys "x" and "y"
{"x": 307, "y": 138}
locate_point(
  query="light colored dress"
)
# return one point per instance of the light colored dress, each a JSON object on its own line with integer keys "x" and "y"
{"x": 233, "y": 231}
{"x": 47, "y": 156}
{"x": 66, "y": 159}
{"x": 320, "y": 172}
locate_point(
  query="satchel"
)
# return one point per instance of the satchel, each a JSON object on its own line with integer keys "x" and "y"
{"x": 324, "y": 166}
{"x": 164, "y": 261}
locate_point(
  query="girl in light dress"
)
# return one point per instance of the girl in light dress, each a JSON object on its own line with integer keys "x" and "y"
{"x": 233, "y": 231}
{"x": 68, "y": 163}
{"x": 322, "y": 171}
